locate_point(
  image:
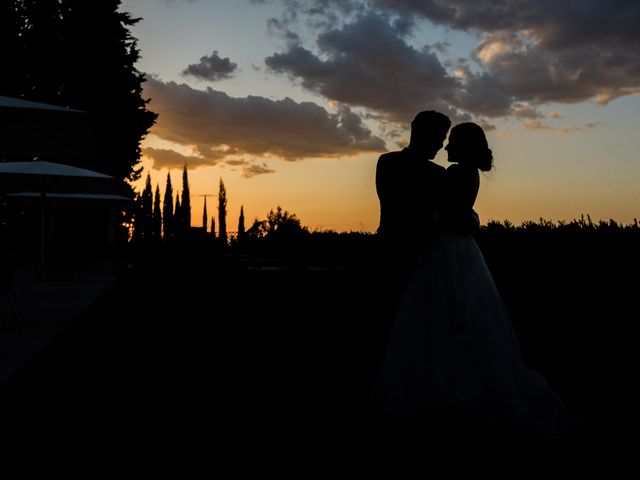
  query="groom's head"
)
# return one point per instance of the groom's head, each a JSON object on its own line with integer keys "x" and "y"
{"x": 428, "y": 132}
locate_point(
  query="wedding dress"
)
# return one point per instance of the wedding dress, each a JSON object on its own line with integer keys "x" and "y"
{"x": 453, "y": 351}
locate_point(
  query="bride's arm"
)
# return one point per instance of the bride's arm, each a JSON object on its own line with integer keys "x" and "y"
{"x": 461, "y": 189}
{"x": 462, "y": 186}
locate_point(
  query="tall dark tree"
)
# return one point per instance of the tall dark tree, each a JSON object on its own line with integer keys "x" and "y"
{"x": 177, "y": 217}
{"x": 144, "y": 217}
{"x": 137, "y": 219}
{"x": 241, "y": 223}
{"x": 185, "y": 204}
{"x": 82, "y": 55}
{"x": 167, "y": 210}
{"x": 213, "y": 227}
{"x": 222, "y": 213}
{"x": 204, "y": 216}
{"x": 157, "y": 216}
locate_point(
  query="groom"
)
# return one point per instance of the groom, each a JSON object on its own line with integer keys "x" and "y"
{"x": 405, "y": 180}
{"x": 411, "y": 190}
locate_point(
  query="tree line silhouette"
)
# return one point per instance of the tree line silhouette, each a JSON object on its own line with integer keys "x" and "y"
{"x": 155, "y": 220}
{"x": 574, "y": 245}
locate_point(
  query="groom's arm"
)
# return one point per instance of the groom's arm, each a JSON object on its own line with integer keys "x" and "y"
{"x": 382, "y": 188}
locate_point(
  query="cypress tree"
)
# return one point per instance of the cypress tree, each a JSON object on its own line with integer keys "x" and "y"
{"x": 185, "y": 205}
{"x": 138, "y": 226}
{"x": 167, "y": 210}
{"x": 241, "y": 223}
{"x": 213, "y": 227}
{"x": 204, "y": 215}
{"x": 146, "y": 211}
{"x": 177, "y": 217}
{"x": 222, "y": 213}
{"x": 157, "y": 216}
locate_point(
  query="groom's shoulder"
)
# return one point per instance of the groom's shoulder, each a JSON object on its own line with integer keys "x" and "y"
{"x": 389, "y": 162}
{"x": 389, "y": 156}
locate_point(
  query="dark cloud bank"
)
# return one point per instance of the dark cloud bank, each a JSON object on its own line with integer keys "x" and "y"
{"x": 224, "y": 128}
{"x": 529, "y": 53}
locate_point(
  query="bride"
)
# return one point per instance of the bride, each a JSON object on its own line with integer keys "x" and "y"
{"x": 452, "y": 352}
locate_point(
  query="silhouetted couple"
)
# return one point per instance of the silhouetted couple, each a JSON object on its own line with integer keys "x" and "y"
{"x": 451, "y": 352}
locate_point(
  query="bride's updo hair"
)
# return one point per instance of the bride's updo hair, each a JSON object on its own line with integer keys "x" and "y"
{"x": 472, "y": 145}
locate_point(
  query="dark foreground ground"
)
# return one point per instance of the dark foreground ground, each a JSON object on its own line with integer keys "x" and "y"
{"x": 195, "y": 365}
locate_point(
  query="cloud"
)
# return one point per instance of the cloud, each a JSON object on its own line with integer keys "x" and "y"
{"x": 528, "y": 52}
{"x": 328, "y": 7}
{"x": 532, "y": 74}
{"x": 171, "y": 3}
{"x": 167, "y": 158}
{"x": 367, "y": 64}
{"x": 282, "y": 27}
{"x": 251, "y": 169}
{"x": 212, "y": 68}
{"x": 555, "y": 115}
{"x": 482, "y": 94}
{"x": 547, "y": 50}
{"x": 229, "y": 127}
{"x": 524, "y": 110}
{"x": 331, "y": 10}
{"x": 556, "y": 23}
{"x": 538, "y": 125}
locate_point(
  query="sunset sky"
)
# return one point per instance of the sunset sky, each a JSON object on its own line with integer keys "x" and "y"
{"x": 291, "y": 102}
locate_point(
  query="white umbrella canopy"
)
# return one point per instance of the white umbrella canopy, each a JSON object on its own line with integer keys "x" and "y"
{"x": 49, "y": 177}
{"x": 12, "y": 102}
{"x": 32, "y": 130}
{"x": 41, "y": 178}
{"x": 73, "y": 200}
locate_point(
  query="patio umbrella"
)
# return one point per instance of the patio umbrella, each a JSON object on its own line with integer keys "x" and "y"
{"x": 47, "y": 178}
{"x": 33, "y": 130}
{"x": 70, "y": 199}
